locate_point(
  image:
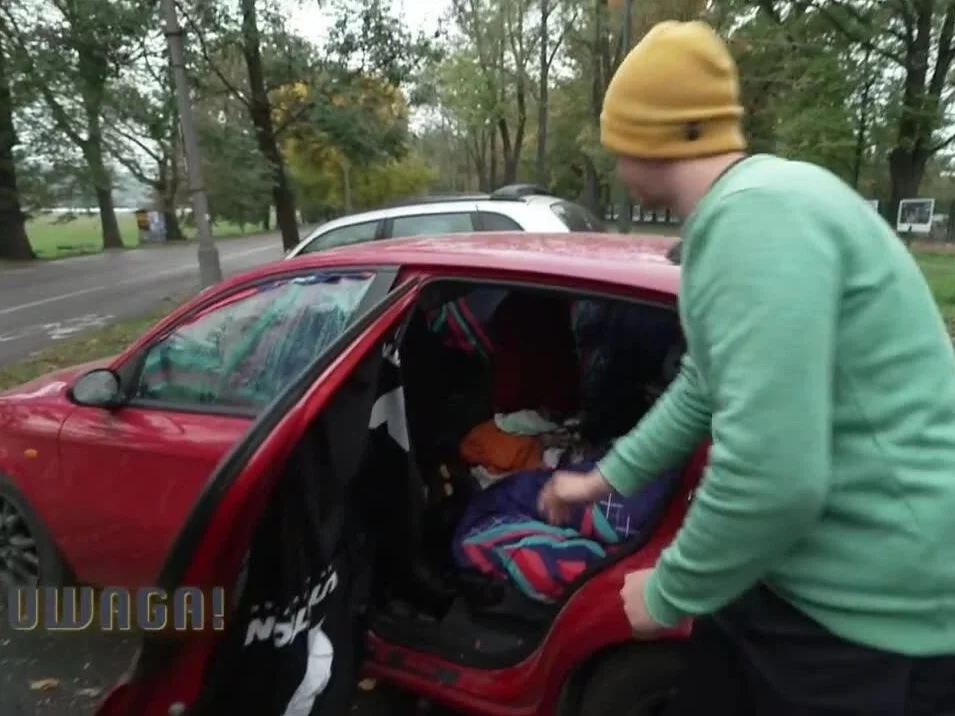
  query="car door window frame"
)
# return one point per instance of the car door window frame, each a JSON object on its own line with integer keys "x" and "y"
{"x": 382, "y": 283}
{"x": 236, "y": 461}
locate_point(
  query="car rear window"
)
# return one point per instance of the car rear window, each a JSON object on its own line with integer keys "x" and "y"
{"x": 576, "y": 218}
{"x": 492, "y": 221}
{"x": 343, "y": 236}
{"x": 432, "y": 224}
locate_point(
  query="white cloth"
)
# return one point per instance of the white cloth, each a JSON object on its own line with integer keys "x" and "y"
{"x": 318, "y": 672}
{"x": 524, "y": 422}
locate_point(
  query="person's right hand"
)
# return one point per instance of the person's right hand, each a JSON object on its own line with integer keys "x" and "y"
{"x": 565, "y": 490}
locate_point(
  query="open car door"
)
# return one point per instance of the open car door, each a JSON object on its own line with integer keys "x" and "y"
{"x": 276, "y": 526}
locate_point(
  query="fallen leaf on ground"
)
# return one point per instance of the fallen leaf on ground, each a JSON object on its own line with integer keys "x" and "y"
{"x": 44, "y": 684}
{"x": 367, "y": 684}
{"x": 91, "y": 693}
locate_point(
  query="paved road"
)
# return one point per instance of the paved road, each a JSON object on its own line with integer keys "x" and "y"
{"x": 57, "y": 673}
{"x": 62, "y": 674}
{"x": 42, "y": 303}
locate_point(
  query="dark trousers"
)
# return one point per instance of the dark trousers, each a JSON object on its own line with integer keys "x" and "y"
{"x": 762, "y": 657}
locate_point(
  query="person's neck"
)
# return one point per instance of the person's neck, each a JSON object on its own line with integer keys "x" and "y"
{"x": 698, "y": 177}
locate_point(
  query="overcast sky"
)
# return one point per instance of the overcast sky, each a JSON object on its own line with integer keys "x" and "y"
{"x": 313, "y": 22}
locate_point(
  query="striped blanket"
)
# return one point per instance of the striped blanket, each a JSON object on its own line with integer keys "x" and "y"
{"x": 502, "y": 535}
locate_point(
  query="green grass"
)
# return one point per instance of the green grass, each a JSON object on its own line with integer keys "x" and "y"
{"x": 84, "y": 236}
{"x": 651, "y": 229}
{"x": 939, "y": 270}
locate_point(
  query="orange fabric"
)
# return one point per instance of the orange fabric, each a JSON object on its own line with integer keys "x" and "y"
{"x": 501, "y": 452}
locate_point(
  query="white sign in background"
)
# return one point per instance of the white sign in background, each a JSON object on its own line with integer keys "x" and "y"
{"x": 915, "y": 216}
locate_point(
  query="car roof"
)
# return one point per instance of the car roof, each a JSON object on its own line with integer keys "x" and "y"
{"x": 437, "y": 206}
{"x": 636, "y": 261}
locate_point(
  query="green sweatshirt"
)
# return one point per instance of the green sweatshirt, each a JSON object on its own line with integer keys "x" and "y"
{"x": 818, "y": 362}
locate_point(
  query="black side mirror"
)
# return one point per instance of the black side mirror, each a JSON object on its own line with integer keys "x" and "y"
{"x": 100, "y": 388}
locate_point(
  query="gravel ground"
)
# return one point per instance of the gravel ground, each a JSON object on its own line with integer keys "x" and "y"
{"x": 63, "y": 674}
{"x": 58, "y": 673}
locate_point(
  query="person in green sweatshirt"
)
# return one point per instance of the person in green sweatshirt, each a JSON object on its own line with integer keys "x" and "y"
{"x": 817, "y": 560}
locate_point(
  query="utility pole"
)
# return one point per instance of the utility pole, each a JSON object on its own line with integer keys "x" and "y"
{"x": 625, "y": 212}
{"x": 210, "y": 272}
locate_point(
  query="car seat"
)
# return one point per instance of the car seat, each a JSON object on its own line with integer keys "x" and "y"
{"x": 535, "y": 362}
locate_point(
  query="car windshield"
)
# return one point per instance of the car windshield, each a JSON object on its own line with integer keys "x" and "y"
{"x": 241, "y": 352}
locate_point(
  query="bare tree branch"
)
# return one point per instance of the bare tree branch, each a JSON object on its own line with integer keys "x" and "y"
{"x": 292, "y": 118}
{"x": 908, "y": 13}
{"x": 562, "y": 36}
{"x": 133, "y": 168}
{"x": 864, "y": 39}
{"x": 60, "y": 115}
{"x": 943, "y": 144}
{"x": 153, "y": 154}
{"x": 946, "y": 53}
{"x": 204, "y": 50}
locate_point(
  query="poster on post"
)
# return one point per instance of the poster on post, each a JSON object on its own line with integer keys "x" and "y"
{"x": 157, "y": 227}
{"x": 915, "y": 216}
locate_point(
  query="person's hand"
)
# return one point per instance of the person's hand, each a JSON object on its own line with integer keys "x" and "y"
{"x": 565, "y": 490}
{"x": 635, "y": 606}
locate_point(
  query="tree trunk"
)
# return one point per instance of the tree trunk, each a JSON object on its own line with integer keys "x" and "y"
{"x": 543, "y": 173}
{"x": 102, "y": 186}
{"x": 92, "y": 88}
{"x": 909, "y": 157}
{"x": 862, "y": 126}
{"x": 592, "y": 187}
{"x": 477, "y": 153}
{"x": 260, "y": 112}
{"x": 906, "y": 169}
{"x": 482, "y": 161}
{"x": 172, "y": 218}
{"x": 492, "y": 173}
{"x": 511, "y": 146}
{"x": 173, "y": 230}
{"x": 346, "y": 185}
{"x": 112, "y": 239}
{"x": 14, "y": 244}
{"x": 166, "y": 192}
{"x": 921, "y": 112}
{"x": 512, "y": 150}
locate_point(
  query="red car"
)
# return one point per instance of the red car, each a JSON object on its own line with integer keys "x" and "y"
{"x": 334, "y": 399}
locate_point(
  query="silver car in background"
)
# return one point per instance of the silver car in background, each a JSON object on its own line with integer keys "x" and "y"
{"x": 519, "y": 207}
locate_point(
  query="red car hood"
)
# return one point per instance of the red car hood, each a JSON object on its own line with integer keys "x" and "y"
{"x": 52, "y": 384}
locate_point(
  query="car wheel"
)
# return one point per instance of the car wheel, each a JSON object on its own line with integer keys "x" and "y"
{"x": 28, "y": 557}
{"x": 638, "y": 680}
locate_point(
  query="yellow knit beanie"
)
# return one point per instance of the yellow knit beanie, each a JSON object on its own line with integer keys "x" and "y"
{"x": 675, "y": 96}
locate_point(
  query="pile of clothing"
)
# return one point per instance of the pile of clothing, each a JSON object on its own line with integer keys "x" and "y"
{"x": 502, "y": 535}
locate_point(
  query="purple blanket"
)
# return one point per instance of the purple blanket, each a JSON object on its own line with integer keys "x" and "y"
{"x": 502, "y": 534}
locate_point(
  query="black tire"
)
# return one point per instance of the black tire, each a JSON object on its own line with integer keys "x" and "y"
{"x": 51, "y": 570}
{"x": 637, "y": 680}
